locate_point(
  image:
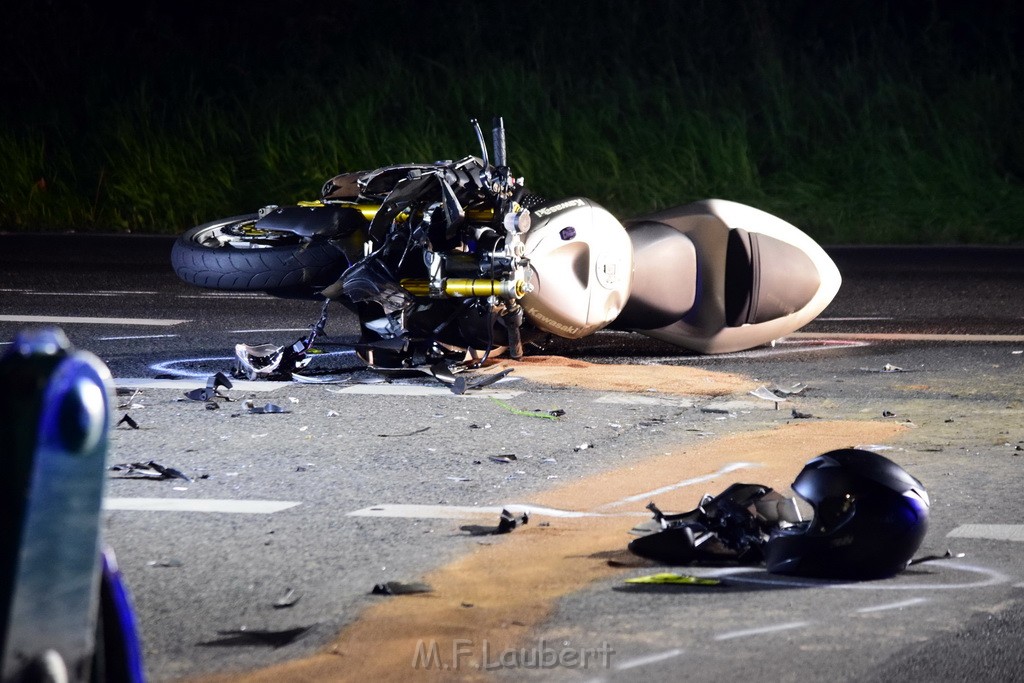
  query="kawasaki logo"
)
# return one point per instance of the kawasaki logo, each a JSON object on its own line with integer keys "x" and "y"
{"x": 568, "y": 204}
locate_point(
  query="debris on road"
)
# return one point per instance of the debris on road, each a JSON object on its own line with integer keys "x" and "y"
{"x": 212, "y": 390}
{"x": 797, "y": 415}
{"x": 268, "y": 409}
{"x": 461, "y": 385}
{"x": 412, "y": 433}
{"x": 506, "y": 523}
{"x": 767, "y": 394}
{"x": 887, "y": 368}
{"x": 553, "y": 414}
{"x": 148, "y": 470}
{"x": 288, "y": 599}
{"x": 503, "y": 459}
{"x": 669, "y": 579}
{"x": 165, "y": 564}
{"x": 127, "y": 420}
{"x": 400, "y": 588}
{"x": 244, "y": 637}
{"x": 129, "y": 403}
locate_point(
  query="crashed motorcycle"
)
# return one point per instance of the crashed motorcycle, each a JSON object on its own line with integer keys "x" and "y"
{"x": 449, "y": 263}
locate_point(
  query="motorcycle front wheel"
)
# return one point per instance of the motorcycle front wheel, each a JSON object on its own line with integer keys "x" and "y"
{"x": 233, "y": 254}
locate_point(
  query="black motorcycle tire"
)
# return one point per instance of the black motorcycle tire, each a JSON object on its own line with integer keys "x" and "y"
{"x": 300, "y": 268}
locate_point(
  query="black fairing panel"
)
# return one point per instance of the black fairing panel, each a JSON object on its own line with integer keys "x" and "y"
{"x": 314, "y": 221}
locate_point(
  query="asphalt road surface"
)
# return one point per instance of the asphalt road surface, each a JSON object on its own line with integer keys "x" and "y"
{"x": 289, "y": 519}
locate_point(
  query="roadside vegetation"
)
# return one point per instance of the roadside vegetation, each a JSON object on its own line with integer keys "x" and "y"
{"x": 860, "y": 123}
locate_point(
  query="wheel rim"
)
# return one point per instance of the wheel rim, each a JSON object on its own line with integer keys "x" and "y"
{"x": 242, "y": 234}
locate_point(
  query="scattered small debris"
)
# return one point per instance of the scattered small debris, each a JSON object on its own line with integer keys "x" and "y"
{"x": 506, "y": 523}
{"x": 148, "y": 470}
{"x": 288, "y": 599}
{"x": 130, "y": 402}
{"x": 888, "y": 413}
{"x": 887, "y": 368}
{"x": 461, "y": 385}
{"x": 582, "y": 447}
{"x": 400, "y": 588}
{"x": 412, "y": 433}
{"x": 244, "y": 637}
{"x": 797, "y": 415}
{"x": 791, "y": 390}
{"x": 767, "y": 394}
{"x": 948, "y": 555}
{"x": 670, "y": 579}
{"x": 503, "y": 459}
{"x": 545, "y": 414}
{"x": 212, "y": 389}
{"x": 268, "y": 409}
{"x": 168, "y": 564}
{"x": 127, "y": 420}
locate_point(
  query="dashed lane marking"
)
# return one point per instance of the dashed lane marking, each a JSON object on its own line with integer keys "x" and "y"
{"x": 252, "y": 507}
{"x": 419, "y": 390}
{"x": 892, "y": 605}
{"x": 409, "y": 511}
{"x": 907, "y": 336}
{"x": 84, "y": 320}
{"x": 762, "y": 630}
{"x": 991, "y": 532}
{"x": 731, "y": 467}
{"x": 186, "y": 383}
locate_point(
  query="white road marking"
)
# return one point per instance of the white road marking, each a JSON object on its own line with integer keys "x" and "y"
{"x": 992, "y": 532}
{"x": 280, "y": 329}
{"x": 649, "y": 659}
{"x": 189, "y": 383}
{"x": 907, "y": 336}
{"x": 95, "y": 293}
{"x": 140, "y": 336}
{"x": 83, "y": 320}
{"x": 419, "y": 390}
{"x": 636, "y": 400}
{"x": 259, "y": 507}
{"x": 762, "y": 630}
{"x": 761, "y": 578}
{"x": 863, "y": 318}
{"x": 892, "y": 605}
{"x": 732, "y": 467}
{"x": 409, "y": 511}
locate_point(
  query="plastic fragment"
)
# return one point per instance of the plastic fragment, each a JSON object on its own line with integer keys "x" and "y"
{"x": 400, "y": 588}
{"x": 412, "y": 433}
{"x": 670, "y": 579}
{"x": 127, "y": 420}
{"x": 212, "y": 389}
{"x": 148, "y": 470}
{"x": 506, "y": 523}
{"x": 288, "y": 599}
{"x": 244, "y": 637}
{"x": 544, "y": 414}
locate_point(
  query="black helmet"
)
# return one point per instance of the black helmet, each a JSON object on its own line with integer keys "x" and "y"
{"x": 870, "y": 517}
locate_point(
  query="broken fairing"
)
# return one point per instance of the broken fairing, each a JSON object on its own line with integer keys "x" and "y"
{"x": 733, "y": 525}
{"x": 870, "y": 517}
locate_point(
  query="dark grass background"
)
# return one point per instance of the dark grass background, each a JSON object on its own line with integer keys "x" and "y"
{"x": 861, "y": 122}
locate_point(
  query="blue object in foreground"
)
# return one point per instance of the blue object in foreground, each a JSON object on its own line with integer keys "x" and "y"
{"x": 64, "y": 612}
